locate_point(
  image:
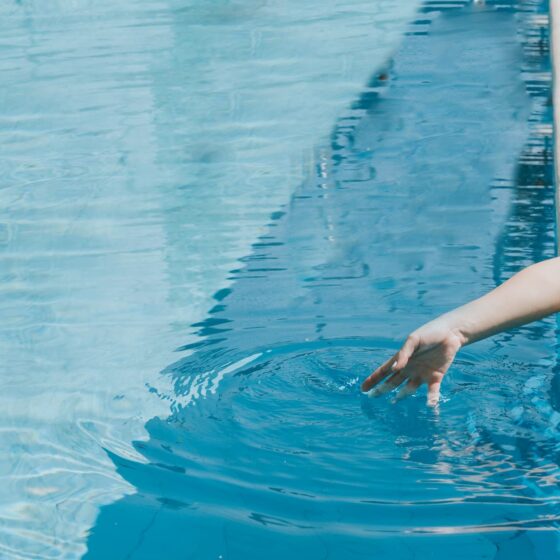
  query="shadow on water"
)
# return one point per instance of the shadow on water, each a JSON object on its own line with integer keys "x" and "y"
{"x": 420, "y": 203}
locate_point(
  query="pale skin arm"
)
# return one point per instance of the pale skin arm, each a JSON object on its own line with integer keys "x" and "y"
{"x": 428, "y": 352}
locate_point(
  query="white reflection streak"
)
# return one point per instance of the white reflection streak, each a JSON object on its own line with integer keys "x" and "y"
{"x": 231, "y": 368}
{"x": 545, "y": 523}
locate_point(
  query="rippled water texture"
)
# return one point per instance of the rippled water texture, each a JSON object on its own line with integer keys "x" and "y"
{"x": 144, "y": 145}
{"x": 435, "y": 188}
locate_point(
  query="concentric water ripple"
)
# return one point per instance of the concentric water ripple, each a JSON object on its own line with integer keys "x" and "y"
{"x": 288, "y": 442}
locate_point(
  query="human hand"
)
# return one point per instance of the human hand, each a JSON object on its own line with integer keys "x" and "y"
{"x": 425, "y": 357}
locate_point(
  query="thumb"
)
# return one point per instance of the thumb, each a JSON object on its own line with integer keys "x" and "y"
{"x": 404, "y": 354}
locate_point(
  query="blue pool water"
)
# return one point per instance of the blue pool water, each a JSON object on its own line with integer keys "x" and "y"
{"x": 434, "y": 187}
{"x": 144, "y": 145}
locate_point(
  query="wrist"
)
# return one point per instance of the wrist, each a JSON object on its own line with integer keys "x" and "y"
{"x": 457, "y": 327}
{"x": 441, "y": 330}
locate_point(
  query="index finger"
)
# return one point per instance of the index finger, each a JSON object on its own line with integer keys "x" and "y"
{"x": 379, "y": 374}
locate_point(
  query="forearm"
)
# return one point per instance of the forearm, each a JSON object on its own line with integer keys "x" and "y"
{"x": 531, "y": 294}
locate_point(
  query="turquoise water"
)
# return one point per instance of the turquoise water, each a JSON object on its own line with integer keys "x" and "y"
{"x": 144, "y": 145}
{"x": 435, "y": 185}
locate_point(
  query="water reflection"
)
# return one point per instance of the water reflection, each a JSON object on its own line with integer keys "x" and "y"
{"x": 417, "y": 205}
{"x": 144, "y": 144}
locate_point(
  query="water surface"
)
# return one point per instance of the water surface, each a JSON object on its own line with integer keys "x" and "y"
{"x": 435, "y": 187}
{"x": 144, "y": 144}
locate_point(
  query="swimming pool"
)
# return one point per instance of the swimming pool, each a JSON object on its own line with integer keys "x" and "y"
{"x": 435, "y": 186}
